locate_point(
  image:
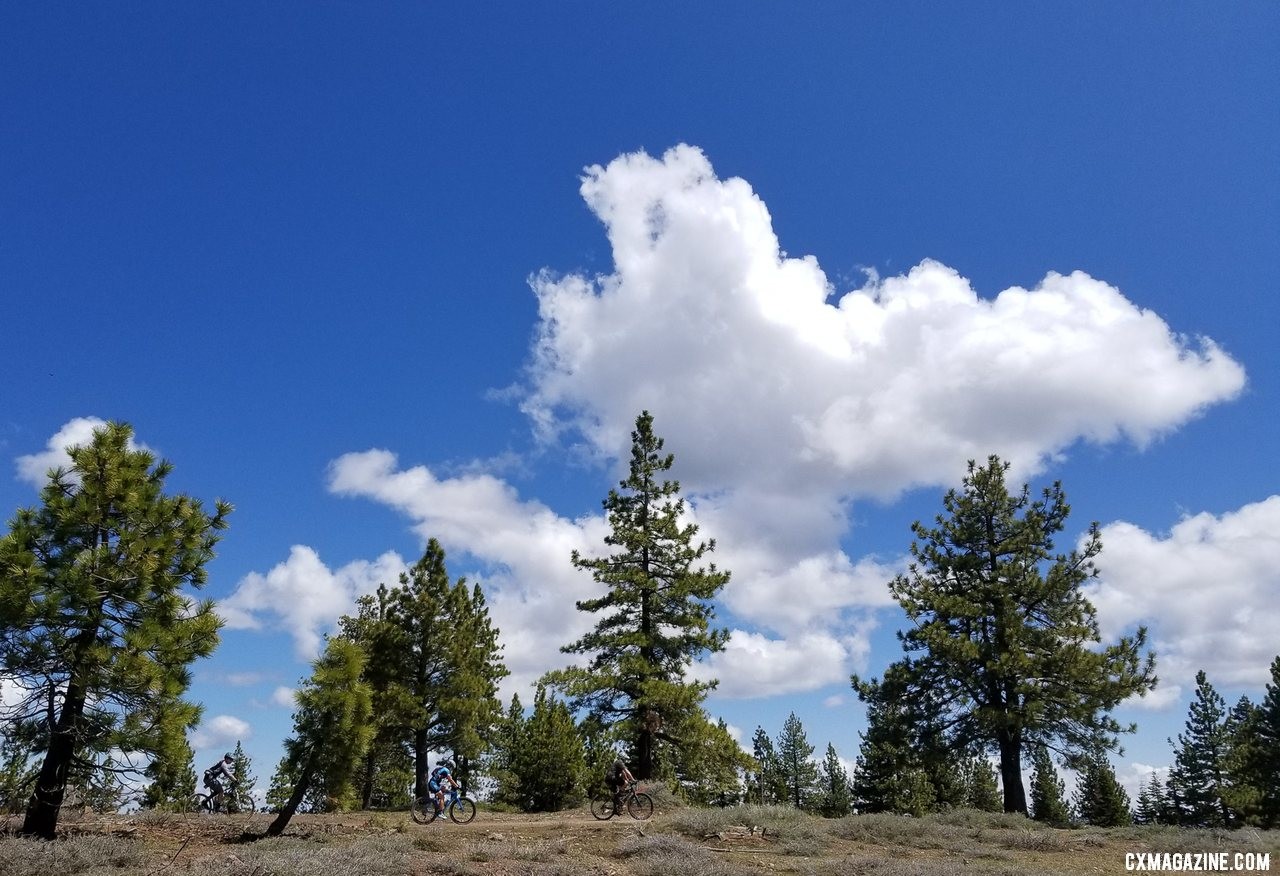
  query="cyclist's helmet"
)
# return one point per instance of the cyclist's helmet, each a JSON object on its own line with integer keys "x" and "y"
{"x": 227, "y": 757}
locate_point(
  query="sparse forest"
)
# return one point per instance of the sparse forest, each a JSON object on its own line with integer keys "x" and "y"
{"x": 1003, "y": 670}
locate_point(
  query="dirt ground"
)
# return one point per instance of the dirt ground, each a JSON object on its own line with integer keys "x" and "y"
{"x": 573, "y": 843}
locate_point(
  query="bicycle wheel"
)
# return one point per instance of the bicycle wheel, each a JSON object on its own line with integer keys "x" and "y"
{"x": 423, "y": 810}
{"x": 602, "y": 808}
{"x": 640, "y": 806}
{"x": 237, "y": 802}
{"x": 462, "y": 810}
{"x": 198, "y": 803}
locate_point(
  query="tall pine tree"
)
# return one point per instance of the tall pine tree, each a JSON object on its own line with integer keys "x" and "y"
{"x": 769, "y": 785}
{"x": 432, "y": 665}
{"x": 1267, "y": 759}
{"x": 97, "y": 628}
{"x": 1002, "y": 645}
{"x": 1199, "y": 759}
{"x": 795, "y": 755}
{"x": 655, "y": 616}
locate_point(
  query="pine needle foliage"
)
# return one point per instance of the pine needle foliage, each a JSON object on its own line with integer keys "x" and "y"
{"x": 654, "y": 618}
{"x": 1002, "y": 650}
{"x": 95, "y": 626}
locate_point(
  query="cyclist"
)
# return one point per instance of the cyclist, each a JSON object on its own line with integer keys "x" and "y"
{"x": 213, "y": 774}
{"x": 617, "y": 777}
{"x": 436, "y": 782}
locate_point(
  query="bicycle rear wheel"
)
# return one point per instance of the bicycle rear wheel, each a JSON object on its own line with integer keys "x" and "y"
{"x": 462, "y": 810}
{"x": 198, "y": 803}
{"x": 640, "y": 806}
{"x": 602, "y": 808}
{"x": 423, "y": 809}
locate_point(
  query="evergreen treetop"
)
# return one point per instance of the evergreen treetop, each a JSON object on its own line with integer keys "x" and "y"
{"x": 1001, "y": 650}
{"x": 655, "y": 616}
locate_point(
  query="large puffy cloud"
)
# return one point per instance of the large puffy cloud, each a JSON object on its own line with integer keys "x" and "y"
{"x": 1210, "y": 589}
{"x": 764, "y": 382}
{"x": 523, "y": 545}
{"x": 304, "y": 597}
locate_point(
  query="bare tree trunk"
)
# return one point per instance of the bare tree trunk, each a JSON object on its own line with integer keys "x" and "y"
{"x": 295, "y": 799}
{"x": 1015, "y": 797}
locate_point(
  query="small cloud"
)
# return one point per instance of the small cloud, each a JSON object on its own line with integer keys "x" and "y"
{"x": 835, "y": 701}
{"x": 1163, "y": 697}
{"x": 243, "y": 679}
{"x": 283, "y": 696}
{"x": 220, "y": 731}
{"x": 34, "y": 468}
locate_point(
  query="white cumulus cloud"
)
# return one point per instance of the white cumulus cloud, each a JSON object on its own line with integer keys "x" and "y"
{"x": 220, "y": 731}
{"x": 34, "y": 468}
{"x": 304, "y": 597}
{"x": 1209, "y": 589}
{"x": 767, "y": 379}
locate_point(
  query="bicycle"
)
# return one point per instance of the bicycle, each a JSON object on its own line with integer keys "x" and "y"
{"x": 460, "y": 809}
{"x": 230, "y": 801}
{"x": 638, "y": 804}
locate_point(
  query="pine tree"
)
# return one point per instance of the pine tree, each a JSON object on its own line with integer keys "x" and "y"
{"x": 889, "y": 774}
{"x": 656, "y": 615}
{"x": 97, "y": 628}
{"x": 1151, "y": 802}
{"x": 1100, "y": 800}
{"x": 712, "y": 766}
{"x": 836, "y": 795}
{"x": 386, "y": 650}
{"x": 1048, "y": 792}
{"x": 548, "y": 761}
{"x": 17, "y": 774}
{"x": 173, "y": 776}
{"x": 501, "y": 766}
{"x": 769, "y": 786}
{"x": 242, "y": 773}
{"x": 1241, "y": 790}
{"x": 1197, "y": 774}
{"x": 982, "y": 792}
{"x": 1002, "y": 641}
{"x": 795, "y": 755}
{"x": 331, "y": 729}
{"x": 1266, "y": 769}
{"x": 452, "y": 663}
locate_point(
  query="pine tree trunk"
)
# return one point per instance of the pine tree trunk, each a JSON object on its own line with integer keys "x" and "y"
{"x": 644, "y": 754}
{"x": 366, "y": 786}
{"x": 295, "y": 799}
{"x": 46, "y": 800}
{"x": 421, "y": 757}
{"x": 1015, "y": 798}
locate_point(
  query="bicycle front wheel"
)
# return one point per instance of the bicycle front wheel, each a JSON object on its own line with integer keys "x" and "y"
{"x": 640, "y": 806}
{"x": 462, "y": 810}
{"x": 237, "y": 802}
{"x": 602, "y": 808}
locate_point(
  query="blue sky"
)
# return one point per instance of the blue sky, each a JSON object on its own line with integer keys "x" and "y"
{"x": 375, "y": 273}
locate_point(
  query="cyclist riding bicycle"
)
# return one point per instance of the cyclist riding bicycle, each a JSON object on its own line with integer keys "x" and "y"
{"x": 617, "y": 777}
{"x": 213, "y": 774}
{"x": 436, "y": 782}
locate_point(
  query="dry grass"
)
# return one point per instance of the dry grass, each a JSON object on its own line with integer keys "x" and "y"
{"x": 679, "y": 840}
